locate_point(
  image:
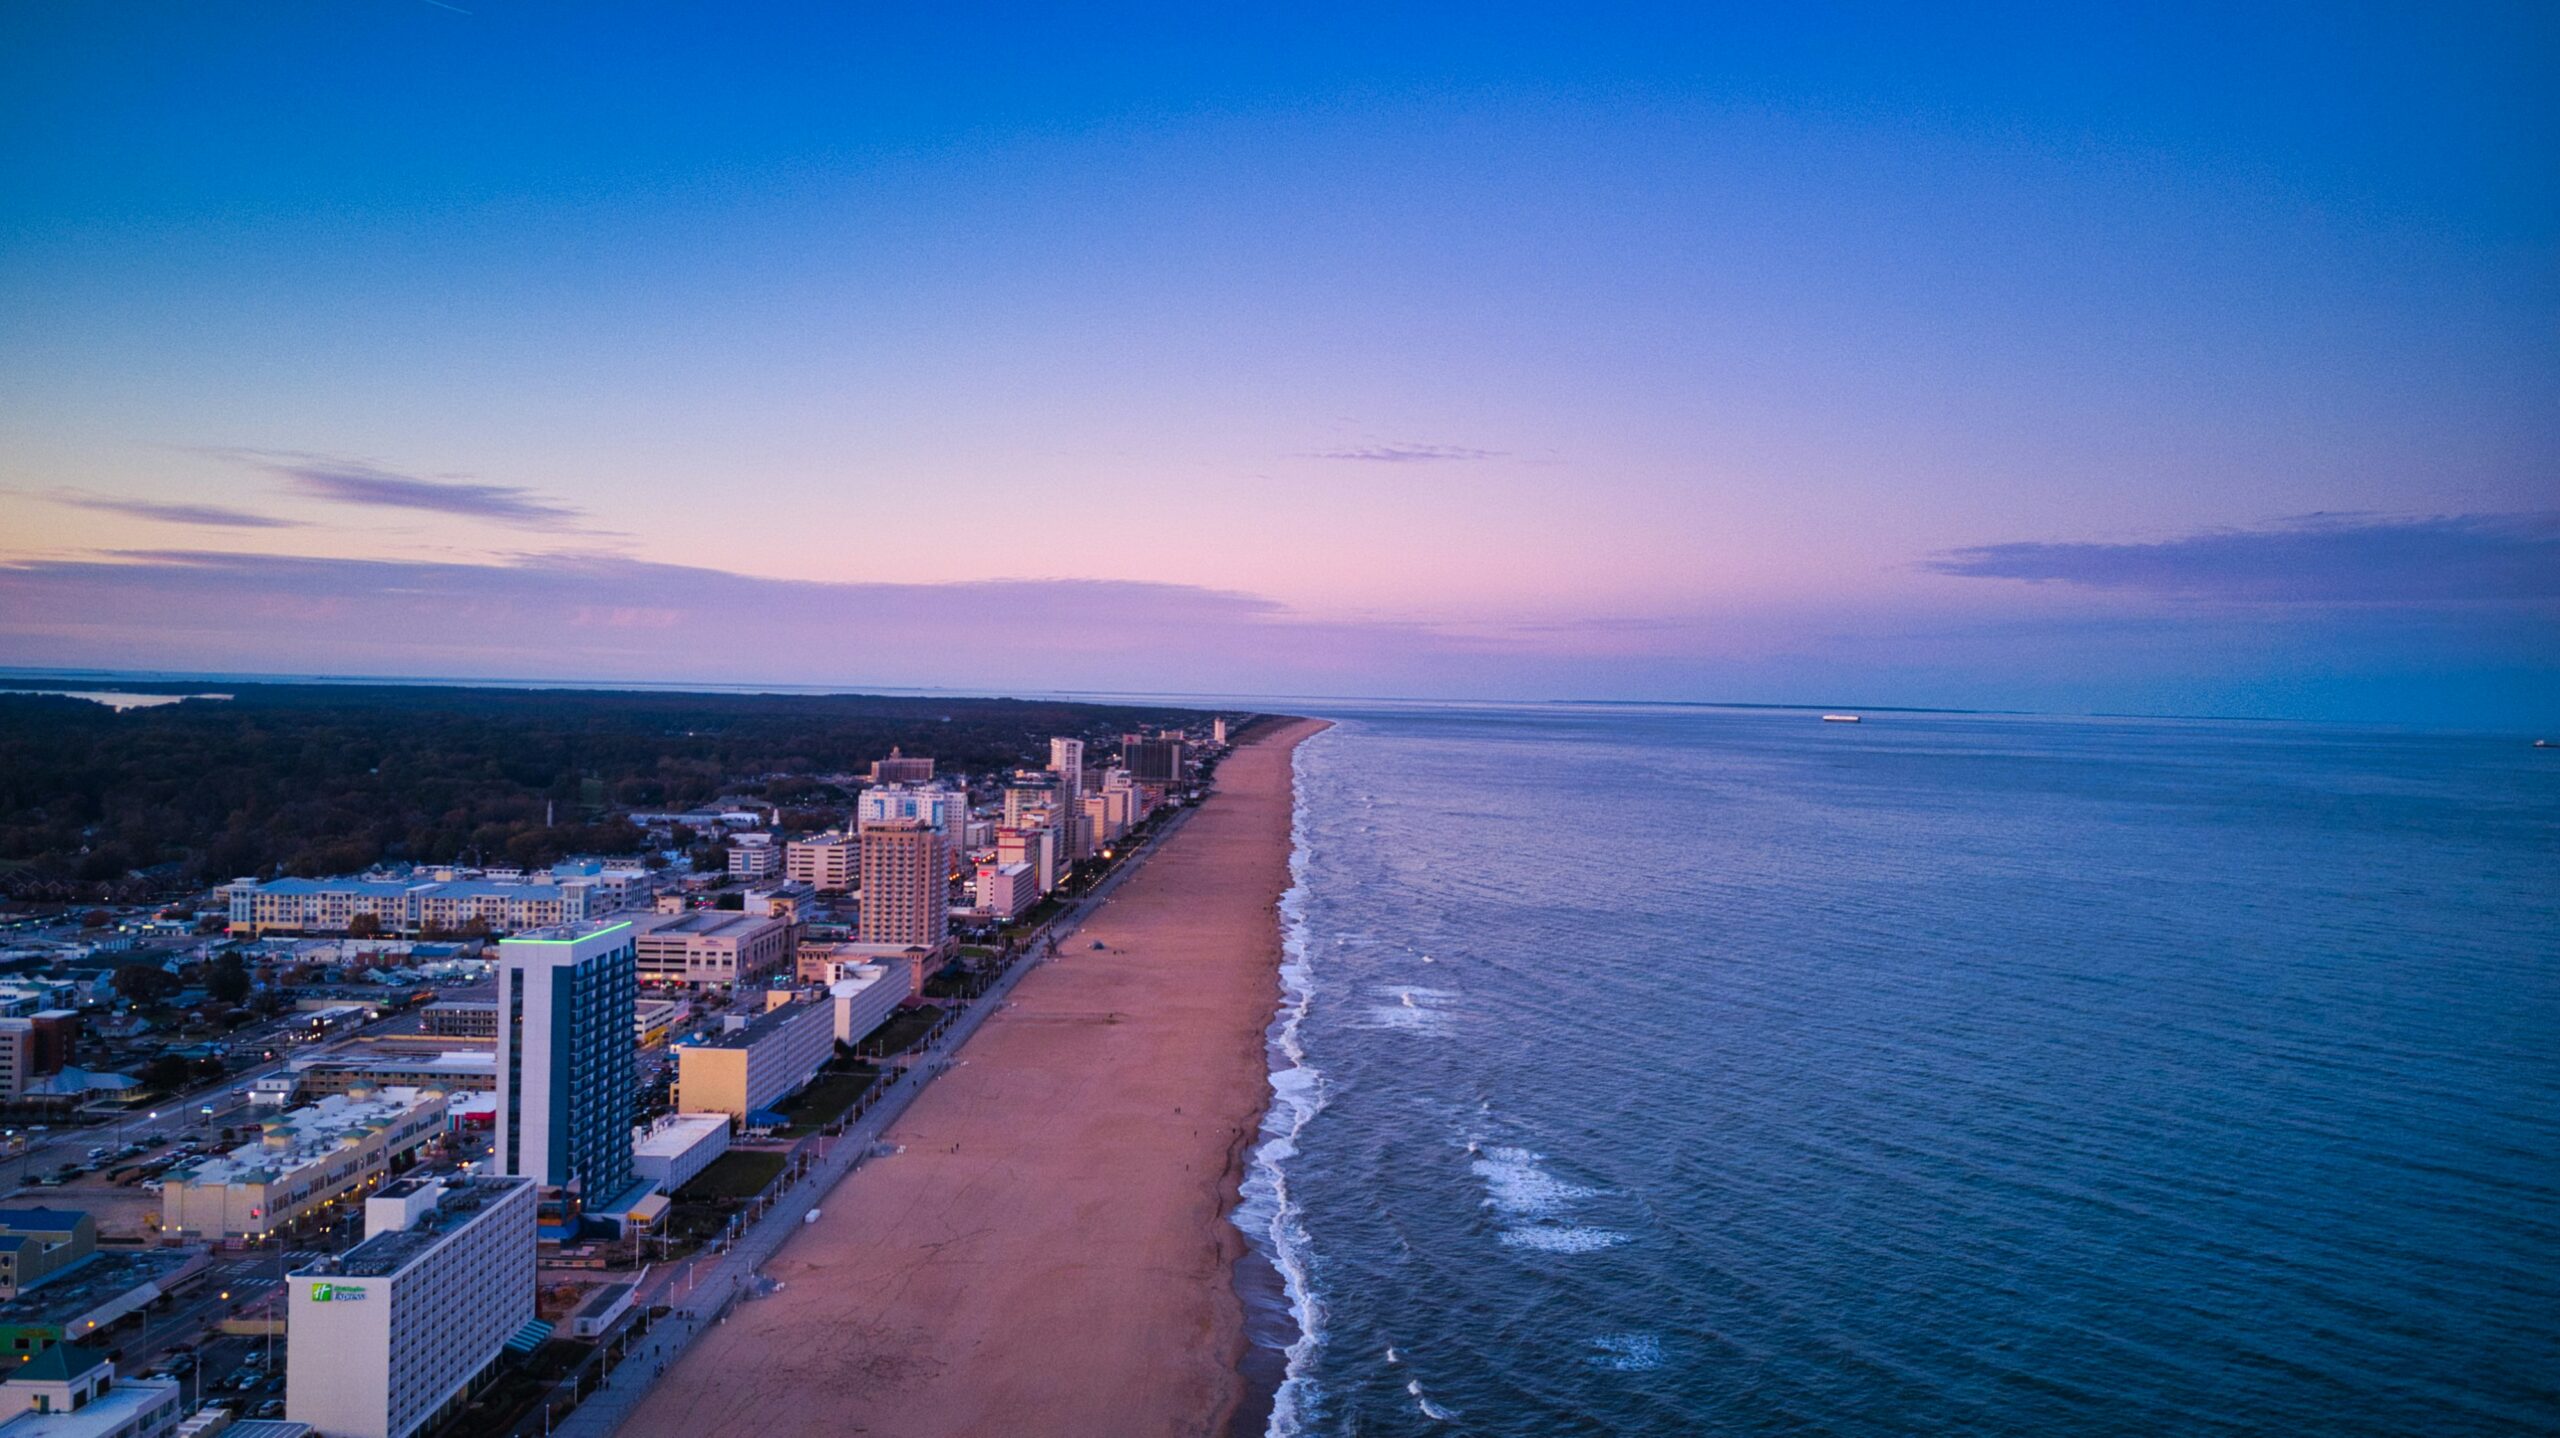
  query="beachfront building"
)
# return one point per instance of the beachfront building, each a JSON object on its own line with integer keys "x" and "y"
{"x": 303, "y": 1160}
{"x": 568, "y": 1072}
{"x": 71, "y": 1391}
{"x": 710, "y": 948}
{"x": 387, "y": 1339}
{"x": 1218, "y": 732}
{"x": 1004, "y": 890}
{"x": 864, "y": 998}
{"x": 1124, "y": 801}
{"x": 1066, "y": 760}
{"x": 1033, "y": 844}
{"x": 1157, "y": 762}
{"x": 758, "y": 1063}
{"x": 906, "y": 888}
{"x": 907, "y": 967}
{"x": 679, "y": 1146}
{"x": 830, "y": 862}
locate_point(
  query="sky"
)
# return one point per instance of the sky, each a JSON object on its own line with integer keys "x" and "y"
{"x": 2079, "y": 358}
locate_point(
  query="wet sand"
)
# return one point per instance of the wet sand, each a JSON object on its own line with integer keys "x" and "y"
{"x": 1050, "y": 1253}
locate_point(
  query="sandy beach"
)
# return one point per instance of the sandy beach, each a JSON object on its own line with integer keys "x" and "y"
{"x": 1050, "y": 1253}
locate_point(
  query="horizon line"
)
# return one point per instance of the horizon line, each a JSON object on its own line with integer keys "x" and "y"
{"x": 11, "y": 675}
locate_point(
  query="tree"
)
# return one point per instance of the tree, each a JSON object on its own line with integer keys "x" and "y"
{"x": 166, "y": 1073}
{"x": 364, "y": 926}
{"x": 144, "y": 984}
{"x": 228, "y": 980}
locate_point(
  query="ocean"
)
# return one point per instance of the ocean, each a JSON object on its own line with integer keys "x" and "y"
{"x": 1667, "y": 1071}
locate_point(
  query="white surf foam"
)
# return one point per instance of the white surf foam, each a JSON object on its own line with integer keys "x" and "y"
{"x": 1266, "y": 1214}
{"x": 1415, "y": 1010}
{"x": 1517, "y": 1188}
{"x": 1628, "y": 1352}
{"x": 1430, "y": 1410}
{"x": 1555, "y": 1238}
{"x": 1533, "y": 1204}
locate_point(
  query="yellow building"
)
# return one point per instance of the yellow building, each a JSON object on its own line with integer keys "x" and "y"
{"x": 758, "y": 1064}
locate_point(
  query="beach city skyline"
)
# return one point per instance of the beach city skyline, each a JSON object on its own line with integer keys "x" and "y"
{"x": 2192, "y": 363}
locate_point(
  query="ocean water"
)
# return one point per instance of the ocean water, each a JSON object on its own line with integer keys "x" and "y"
{"x": 1693, "y": 1071}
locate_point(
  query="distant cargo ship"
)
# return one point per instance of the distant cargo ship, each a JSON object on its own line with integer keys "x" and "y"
{"x": 1839, "y": 718}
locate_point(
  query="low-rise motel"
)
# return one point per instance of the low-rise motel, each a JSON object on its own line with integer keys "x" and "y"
{"x": 678, "y": 1147}
{"x": 302, "y": 1161}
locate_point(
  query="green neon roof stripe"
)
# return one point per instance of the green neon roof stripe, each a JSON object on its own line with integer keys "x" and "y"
{"x": 582, "y": 938}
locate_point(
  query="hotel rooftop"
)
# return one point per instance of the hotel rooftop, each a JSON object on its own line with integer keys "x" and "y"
{"x": 385, "y": 1254}
{"x": 754, "y": 1030}
{"x": 303, "y": 1135}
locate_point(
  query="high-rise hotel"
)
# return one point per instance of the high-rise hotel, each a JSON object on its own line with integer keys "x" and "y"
{"x": 390, "y": 1337}
{"x": 568, "y": 1075}
{"x": 906, "y": 884}
{"x": 947, "y": 810}
{"x": 1066, "y": 760}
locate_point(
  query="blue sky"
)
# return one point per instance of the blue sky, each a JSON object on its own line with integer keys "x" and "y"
{"x": 2177, "y": 360}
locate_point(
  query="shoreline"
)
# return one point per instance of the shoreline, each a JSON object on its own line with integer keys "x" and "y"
{"x": 1050, "y": 1245}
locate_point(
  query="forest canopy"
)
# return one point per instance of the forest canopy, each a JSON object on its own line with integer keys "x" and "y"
{"x": 318, "y": 779}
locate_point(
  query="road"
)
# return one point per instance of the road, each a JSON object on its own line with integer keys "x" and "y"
{"x": 181, "y": 1115}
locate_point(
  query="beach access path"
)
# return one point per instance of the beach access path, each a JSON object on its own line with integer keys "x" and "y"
{"x": 1048, "y": 1250}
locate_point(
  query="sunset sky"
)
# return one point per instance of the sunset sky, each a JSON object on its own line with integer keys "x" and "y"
{"x": 2033, "y": 357}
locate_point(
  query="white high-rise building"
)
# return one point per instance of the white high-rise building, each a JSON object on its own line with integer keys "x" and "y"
{"x": 384, "y": 1340}
{"x": 568, "y": 1069}
{"x": 946, "y": 810}
{"x": 1066, "y": 760}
